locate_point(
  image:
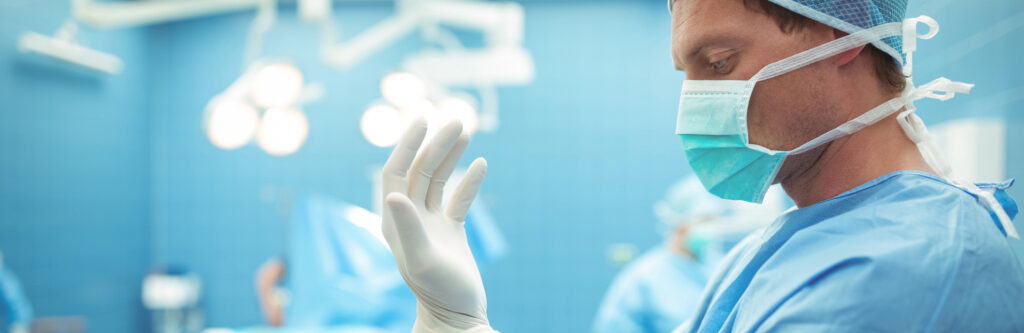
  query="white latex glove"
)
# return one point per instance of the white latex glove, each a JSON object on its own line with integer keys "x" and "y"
{"x": 429, "y": 242}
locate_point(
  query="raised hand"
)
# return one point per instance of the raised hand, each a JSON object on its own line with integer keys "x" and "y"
{"x": 428, "y": 240}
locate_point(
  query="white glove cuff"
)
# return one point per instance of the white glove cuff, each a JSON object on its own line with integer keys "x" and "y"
{"x": 427, "y": 323}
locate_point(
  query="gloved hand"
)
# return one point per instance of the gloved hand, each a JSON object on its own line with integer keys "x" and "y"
{"x": 428, "y": 242}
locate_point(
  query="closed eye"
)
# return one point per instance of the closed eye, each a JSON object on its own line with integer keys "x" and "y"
{"x": 719, "y": 65}
{"x": 723, "y": 66}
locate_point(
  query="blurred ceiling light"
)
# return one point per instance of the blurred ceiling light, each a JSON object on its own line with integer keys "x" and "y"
{"x": 276, "y": 85}
{"x": 231, "y": 123}
{"x": 460, "y": 108}
{"x": 403, "y": 89}
{"x": 274, "y": 88}
{"x": 422, "y": 109}
{"x": 282, "y": 131}
{"x": 382, "y": 125}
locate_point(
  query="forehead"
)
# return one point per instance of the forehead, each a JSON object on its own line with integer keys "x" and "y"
{"x": 696, "y": 21}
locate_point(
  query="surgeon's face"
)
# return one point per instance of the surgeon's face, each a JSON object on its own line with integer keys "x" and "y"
{"x": 728, "y": 40}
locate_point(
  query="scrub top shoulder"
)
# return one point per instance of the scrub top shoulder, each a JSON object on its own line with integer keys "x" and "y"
{"x": 907, "y": 251}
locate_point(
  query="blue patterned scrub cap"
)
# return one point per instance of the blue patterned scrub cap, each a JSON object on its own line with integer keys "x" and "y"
{"x": 852, "y": 16}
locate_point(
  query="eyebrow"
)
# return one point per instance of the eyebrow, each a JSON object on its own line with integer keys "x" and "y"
{"x": 703, "y": 42}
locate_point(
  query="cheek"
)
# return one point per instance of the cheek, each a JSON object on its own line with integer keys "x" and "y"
{"x": 787, "y": 111}
{"x": 767, "y": 116}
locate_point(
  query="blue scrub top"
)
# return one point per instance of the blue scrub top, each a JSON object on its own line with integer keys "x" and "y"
{"x": 653, "y": 294}
{"x": 906, "y": 252}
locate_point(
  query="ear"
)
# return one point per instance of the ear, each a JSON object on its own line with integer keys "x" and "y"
{"x": 846, "y": 57}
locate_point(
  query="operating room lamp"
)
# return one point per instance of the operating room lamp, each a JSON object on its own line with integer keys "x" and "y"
{"x": 232, "y": 113}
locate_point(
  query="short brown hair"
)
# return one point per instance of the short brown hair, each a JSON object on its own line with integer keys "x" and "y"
{"x": 887, "y": 70}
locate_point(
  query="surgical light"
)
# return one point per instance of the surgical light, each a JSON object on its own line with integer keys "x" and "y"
{"x": 382, "y": 125}
{"x": 231, "y": 123}
{"x": 452, "y": 108}
{"x": 422, "y": 109}
{"x": 282, "y": 131}
{"x": 276, "y": 85}
{"x": 403, "y": 89}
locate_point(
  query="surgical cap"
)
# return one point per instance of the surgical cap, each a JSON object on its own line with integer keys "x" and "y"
{"x": 851, "y": 16}
{"x": 687, "y": 201}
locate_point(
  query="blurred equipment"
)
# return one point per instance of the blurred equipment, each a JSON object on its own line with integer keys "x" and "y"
{"x": 69, "y": 324}
{"x": 172, "y": 296}
{"x": 65, "y": 48}
{"x": 433, "y": 83}
{"x": 502, "y": 61}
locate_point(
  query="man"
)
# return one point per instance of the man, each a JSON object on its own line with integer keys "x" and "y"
{"x": 882, "y": 239}
{"x": 660, "y": 289}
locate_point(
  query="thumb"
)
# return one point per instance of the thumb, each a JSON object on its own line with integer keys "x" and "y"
{"x": 411, "y": 233}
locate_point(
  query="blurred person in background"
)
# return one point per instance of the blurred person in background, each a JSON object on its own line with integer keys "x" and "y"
{"x": 18, "y": 310}
{"x": 273, "y": 298}
{"x": 660, "y": 289}
{"x": 335, "y": 274}
{"x": 338, "y": 274}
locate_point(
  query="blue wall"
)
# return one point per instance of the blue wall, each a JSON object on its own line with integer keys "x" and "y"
{"x": 557, "y": 184}
{"x": 979, "y": 42}
{"x": 74, "y": 173}
{"x": 104, "y": 176}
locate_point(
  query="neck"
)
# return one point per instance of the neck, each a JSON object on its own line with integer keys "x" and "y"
{"x": 853, "y": 160}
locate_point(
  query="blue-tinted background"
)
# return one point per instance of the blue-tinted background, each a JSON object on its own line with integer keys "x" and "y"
{"x": 103, "y": 177}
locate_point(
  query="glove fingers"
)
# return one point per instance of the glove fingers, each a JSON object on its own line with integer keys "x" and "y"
{"x": 426, "y": 163}
{"x": 466, "y": 192}
{"x": 412, "y": 235}
{"x": 436, "y": 190}
{"x": 397, "y": 167}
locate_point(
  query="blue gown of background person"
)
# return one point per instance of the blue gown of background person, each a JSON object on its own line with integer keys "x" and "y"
{"x": 660, "y": 289}
{"x": 342, "y": 277}
{"x": 15, "y": 304}
{"x": 340, "y": 274}
{"x": 906, "y": 252}
{"x": 653, "y": 294}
